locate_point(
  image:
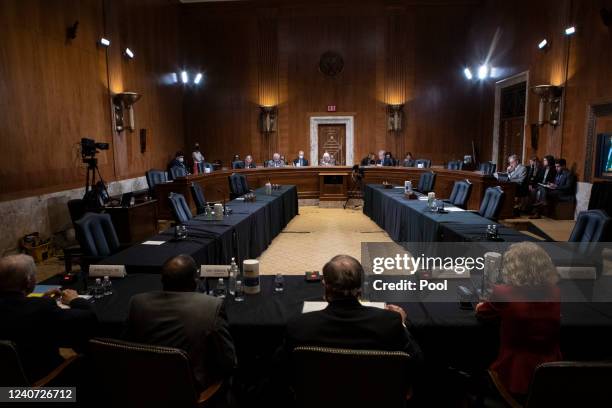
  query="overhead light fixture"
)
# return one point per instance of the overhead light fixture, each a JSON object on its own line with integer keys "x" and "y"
{"x": 542, "y": 44}
{"x": 570, "y": 30}
{"x": 483, "y": 71}
{"x": 129, "y": 53}
{"x": 197, "y": 78}
{"x": 104, "y": 42}
{"x": 468, "y": 73}
{"x": 174, "y": 77}
{"x": 184, "y": 77}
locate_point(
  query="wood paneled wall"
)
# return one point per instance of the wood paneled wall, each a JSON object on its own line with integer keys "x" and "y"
{"x": 260, "y": 53}
{"x": 54, "y": 91}
{"x": 580, "y": 63}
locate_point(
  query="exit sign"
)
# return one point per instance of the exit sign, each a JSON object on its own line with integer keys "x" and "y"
{"x": 331, "y": 108}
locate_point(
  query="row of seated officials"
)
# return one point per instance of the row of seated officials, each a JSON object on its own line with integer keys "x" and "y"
{"x": 39, "y": 327}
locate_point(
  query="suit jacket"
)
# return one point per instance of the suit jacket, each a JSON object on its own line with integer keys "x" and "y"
{"x": 304, "y": 162}
{"x": 191, "y": 321}
{"x": 39, "y": 327}
{"x": 544, "y": 177}
{"x": 345, "y": 323}
{"x": 529, "y": 332}
{"x": 408, "y": 163}
{"x": 386, "y": 162}
{"x": 366, "y": 161}
{"x": 251, "y": 165}
{"x": 272, "y": 163}
{"x": 518, "y": 175}
{"x": 566, "y": 184}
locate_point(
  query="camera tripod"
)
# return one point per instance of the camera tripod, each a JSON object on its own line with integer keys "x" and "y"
{"x": 356, "y": 187}
{"x": 96, "y": 193}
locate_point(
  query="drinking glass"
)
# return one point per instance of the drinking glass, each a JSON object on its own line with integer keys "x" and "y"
{"x": 239, "y": 292}
{"x": 279, "y": 283}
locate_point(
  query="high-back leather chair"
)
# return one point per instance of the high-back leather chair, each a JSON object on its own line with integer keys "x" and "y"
{"x": 461, "y": 193}
{"x": 96, "y": 235}
{"x": 591, "y": 226}
{"x": 238, "y": 164}
{"x": 77, "y": 209}
{"x": 454, "y": 165}
{"x": 197, "y": 193}
{"x": 427, "y": 182}
{"x": 177, "y": 171}
{"x": 238, "y": 185}
{"x": 155, "y": 177}
{"x": 133, "y": 375}
{"x": 353, "y": 377}
{"x": 180, "y": 209}
{"x": 487, "y": 168}
{"x": 492, "y": 203}
{"x": 422, "y": 163}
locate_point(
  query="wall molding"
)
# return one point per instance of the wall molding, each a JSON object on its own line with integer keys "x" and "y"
{"x": 348, "y": 121}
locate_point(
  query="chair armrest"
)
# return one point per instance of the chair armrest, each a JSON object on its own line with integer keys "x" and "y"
{"x": 55, "y": 373}
{"x": 209, "y": 392}
{"x": 503, "y": 392}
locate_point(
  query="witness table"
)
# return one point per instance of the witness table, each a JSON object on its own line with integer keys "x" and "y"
{"x": 411, "y": 221}
{"x": 255, "y": 225}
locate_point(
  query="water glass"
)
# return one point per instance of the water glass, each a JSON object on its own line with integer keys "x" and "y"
{"x": 279, "y": 283}
{"x": 220, "y": 289}
{"x": 239, "y": 292}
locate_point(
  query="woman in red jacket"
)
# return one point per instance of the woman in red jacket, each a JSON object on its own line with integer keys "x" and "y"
{"x": 527, "y": 306}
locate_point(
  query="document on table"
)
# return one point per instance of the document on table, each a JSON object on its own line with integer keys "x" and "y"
{"x": 316, "y": 306}
{"x": 453, "y": 209}
{"x": 153, "y": 242}
{"x": 63, "y": 306}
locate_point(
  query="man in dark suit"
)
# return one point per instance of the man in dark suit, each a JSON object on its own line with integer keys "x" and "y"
{"x": 345, "y": 322}
{"x": 180, "y": 317}
{"x": 384, "y": 159}
{"x": 301, "y": 161}
{"x": 562, "y": 189}
{"x": 37, "y": 325}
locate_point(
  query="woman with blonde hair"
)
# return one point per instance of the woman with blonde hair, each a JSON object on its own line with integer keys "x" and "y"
{"x": 529, "y": 312}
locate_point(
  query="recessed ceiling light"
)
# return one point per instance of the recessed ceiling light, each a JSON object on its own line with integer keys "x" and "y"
{"x": 570, "y": 30}
{"x": 105, "y": 42}
{"x": 543, "y": 44}
{"x": 198, "y": 78}
{"x": 184, "y": 77}
{"x": 483, "y": 71}
{"x": 468, "y": 73}
{"x": 129, "y": 53}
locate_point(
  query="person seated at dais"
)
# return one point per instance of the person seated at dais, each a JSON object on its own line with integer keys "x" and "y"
{"x": 301, "y": 161}
{"x": 248, "y": 162}
{"x": 327, "y": 160}
{"x": 276, "y": 161}
{"x": 408, "y": 160}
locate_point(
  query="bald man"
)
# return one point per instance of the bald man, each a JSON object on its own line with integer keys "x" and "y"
{"x": 180, "y": 317}
{"x": 38, "y": 326}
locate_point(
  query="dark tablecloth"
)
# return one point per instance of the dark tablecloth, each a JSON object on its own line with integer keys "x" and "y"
{"x": 411, "y": 221}
{"x": 211, "y": 242}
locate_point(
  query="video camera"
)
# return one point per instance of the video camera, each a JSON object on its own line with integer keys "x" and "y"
{"x": 89, "y": 147}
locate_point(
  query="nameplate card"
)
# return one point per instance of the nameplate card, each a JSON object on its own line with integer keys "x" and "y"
{"x": 214, "y": 271}
{"x": 112, "y": 271}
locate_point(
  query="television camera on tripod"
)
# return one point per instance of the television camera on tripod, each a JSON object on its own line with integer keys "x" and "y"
{"x": 96, "y": 194}
{"x": 356, "y": 188}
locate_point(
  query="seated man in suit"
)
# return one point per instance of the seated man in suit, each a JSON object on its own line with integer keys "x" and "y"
{"x": 562, "y": 189}
{"x": 37, "y": 325}
{"x": 180, "y": 317}
{"x": 327, "y": 160}
{"x": 408, "y": 160}
{"x": 248, "y": 162}
{"x": 178, "y": 161}
{"x": 301, "y": 161}
{"x": 276, "y": 161}
{"x": 369, "y": 160}
{"x": 384, "y": 158}
{"x": 516, "y": 171}
{"x": 345, "y": 323}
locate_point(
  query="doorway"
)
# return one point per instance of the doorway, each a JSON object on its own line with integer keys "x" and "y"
{"x": 332, "y": 139}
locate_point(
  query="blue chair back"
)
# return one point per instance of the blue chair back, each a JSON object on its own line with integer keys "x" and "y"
{"x": 427, "y": 182}
{"x": 178, "y": 171}
{"x": 492, "y": 203}
{"x": 454, "y": 165}
{"x": 487, "y": 168}
{"x": 238, "y": 164}
{"x": 155, "y": 177}
{"x": 96, "y": 235}
{"x": 238, "y": 185}
{"x": 197, "y": 193}
{"x": 591, "y": 226}
{"x": 422, "y": 163}
{"x": 180, "y": 209}
{"x": 461, "y": 193}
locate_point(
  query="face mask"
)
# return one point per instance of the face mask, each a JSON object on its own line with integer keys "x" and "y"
{"x": 180, "y": 159}
{"x": 301, "y": 156}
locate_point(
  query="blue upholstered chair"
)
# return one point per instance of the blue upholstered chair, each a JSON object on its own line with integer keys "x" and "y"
{"x": 238, "y": 164}
{"x": 422, "y": 163}
{"x": 180, "y": 209}
{"x": 487, "y": 168}
{"x": 155, "y": 177}
{"x": 426, "y": 182}
{"x": 460, "y": 194}
{"x": 591, "y": 226}
{"x": 492, "y": 203}
{"x": 455, "y": 165}
{"x": 96, "y": 235}
{"x": 238, "y": 185}
{"x": 197, "y": 193}
{"x": 177, "y": 171}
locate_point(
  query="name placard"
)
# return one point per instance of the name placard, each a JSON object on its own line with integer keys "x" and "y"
{"x": 112, "y": 271}
{"x": 214, "y": 271}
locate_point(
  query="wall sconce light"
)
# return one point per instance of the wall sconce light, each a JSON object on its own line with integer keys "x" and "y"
{"x": 121, "y": 101}
{"x": 267, "y": 119}
{"x": 549, "y": 95}
{"x": 394, "y": 117}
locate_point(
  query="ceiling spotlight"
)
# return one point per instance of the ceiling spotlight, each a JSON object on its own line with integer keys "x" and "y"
{"x": 570, "y": 30}
{"x": 198, "y": 78}
{"x": 543, "y": 44}
{"x": 105, "y": 42}
{"x": 184, "y": 77}
{"x": 174, "y": 77}
{"x": 483, "y": 71}
{"x": 129, "y": 53}
{"x": 467, "y": 73}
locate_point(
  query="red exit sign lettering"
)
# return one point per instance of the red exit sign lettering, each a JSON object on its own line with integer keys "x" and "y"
{"x": 331, "y": 108}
